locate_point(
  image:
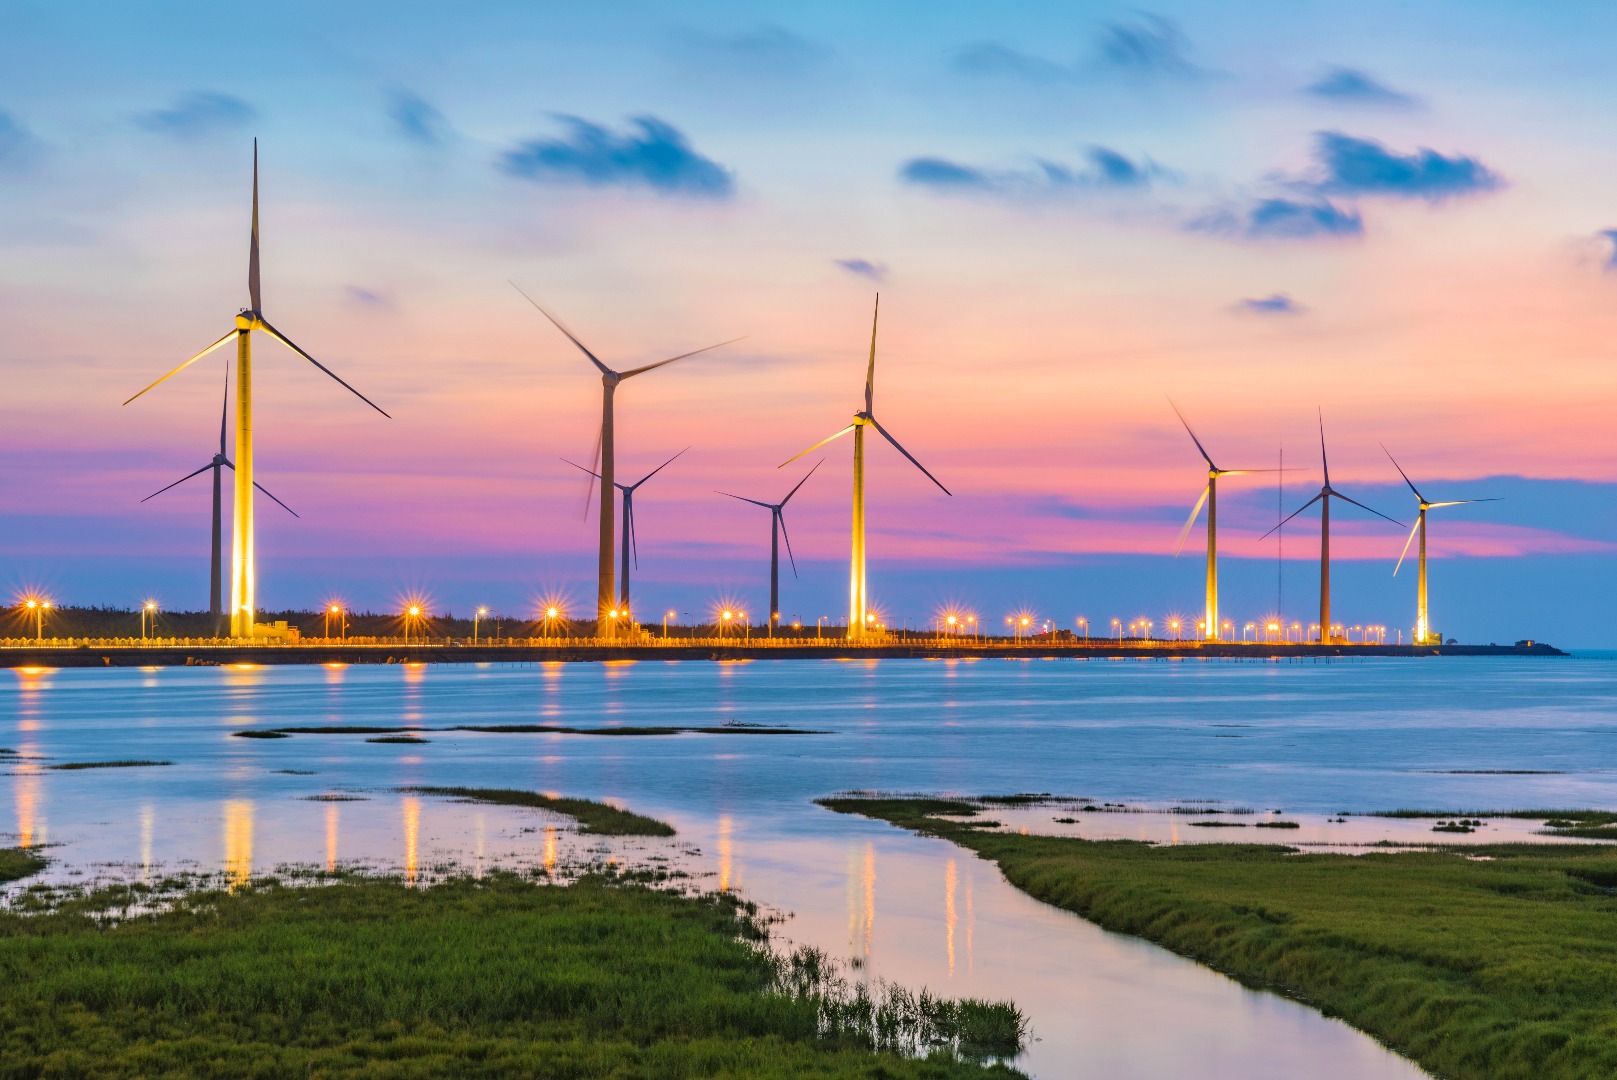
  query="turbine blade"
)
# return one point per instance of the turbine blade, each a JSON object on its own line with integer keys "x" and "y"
{"x": 284, "y": 340}
{"x": 178, "y": 482}
{"x": 657, "y": 470}
{"x": 557, "y": 324}
{"x": 816, "y": 446}
{"x": 224, "y": 412}
{"x": 1411, "y": 540}
{"x": 1401, "y": 472}
{"x": 1199, "y": 447}
{"x": 252, "y": 249}
{"x": 1459, "y": 502}
{"x": 1293, "y": 514}
{"x": 1324, "y": 462}
{"x": 189, "y": 362}
{"x": 1361, "y": 506}
{"x": 906, "y": 453}
{"x": 278, "y": 502}
{"x": 801, "y": 482}
{"x": 1249, "y": 472}
{"x": 651, "y": 367}
{"x": 870, "y": 372}
{"x": 594, "y": 471}
{"x": 780, "y": 516}
{"x": 581, "y": 468}
{"x": 1195, "y": 512}
{"x": 755, "y": 502}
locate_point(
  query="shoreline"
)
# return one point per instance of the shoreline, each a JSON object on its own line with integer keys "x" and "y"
{"x": 229, "y": 653}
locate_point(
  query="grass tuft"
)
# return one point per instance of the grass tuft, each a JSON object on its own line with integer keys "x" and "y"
{"x": 72, "y": 765}
{"x": 18, "y": 863}
{"x": 592, "y": 817}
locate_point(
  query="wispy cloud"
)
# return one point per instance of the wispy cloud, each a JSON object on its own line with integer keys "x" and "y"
{"x": 1280, "y": 219}
{"x": 1277, "y": 304}
{"x": 992, "y": 59}
{"x": 197, "y": 115}
{"x": 769, "y": 51}
{"x": 1106, "y": 169}
{"x": 1353, "y": 87}
{"x": 1150, "y": 45}
{"x": 1610, "y": 237}
{"x": 18, "y": 146}
{"x": 416, "y": 119}
{"x": 1356, "y": 167}
{"x": 369, "y": 298}
{"x": 864, "y": 268}
{"x": 651, "y": 154}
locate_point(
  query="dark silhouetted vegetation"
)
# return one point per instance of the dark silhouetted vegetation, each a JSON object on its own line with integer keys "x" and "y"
{"x": 592, "y": 817}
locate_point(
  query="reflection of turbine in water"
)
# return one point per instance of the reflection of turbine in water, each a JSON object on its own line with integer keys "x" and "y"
{"x": 870, "y": 895}
{"x": 550, "y": 849}
{"x": 147, "y": 820}
{"x": 480, "y": 845}
{"x": 725, "y": 847}
{"x": 971, "y": 924}
{"x": 412, "y": 830}
{"x": 27, "y": 798}
{"x": 331, "y": 837}
{"x": 238, "y": 841}
{"x": 949, "y": 911}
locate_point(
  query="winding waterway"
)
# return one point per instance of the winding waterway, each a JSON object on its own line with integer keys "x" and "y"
{"x": 1309, "y": 739}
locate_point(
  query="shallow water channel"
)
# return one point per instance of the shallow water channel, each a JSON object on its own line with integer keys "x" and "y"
{"x": 1302, "y": 741}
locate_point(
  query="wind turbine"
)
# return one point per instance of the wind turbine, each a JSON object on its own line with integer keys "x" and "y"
{"x": 1210, "y": 497}
{"x": 1326, "y": 494}
{"x": 1423, "y": 624}
{"x": 629, "y": 544}
{"x": 777, "y": 529}
{"x": 216, "y": 577}
{"x": 243, "y": 573}
{"x": 605, "y": 456}
{"x": 857, "y": 597}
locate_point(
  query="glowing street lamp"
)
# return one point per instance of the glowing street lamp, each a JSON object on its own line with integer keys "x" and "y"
{"x": 1173, "y": 624}
{"x": 331, "y": 610}
{"x": 148, "y": 610}
{"x": 1247, "y": 629}
{"x": 666, "y": 616}
{"x": 37, "y": 607}
{"x": 411, "y": 614}
{"x": 477, "y": 616}
{"x": 1117, "y": 627}
{"x": 1083, "y": 624}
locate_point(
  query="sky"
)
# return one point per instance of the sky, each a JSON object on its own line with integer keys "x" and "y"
{"x": 1396, "y": 218}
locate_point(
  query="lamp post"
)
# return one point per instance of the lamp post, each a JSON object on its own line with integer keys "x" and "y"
{"x": 148, "y": 610}
{"x": 1173, "y": 624}
{"x": 411, "y": 614}
{"x": 1083, "y": 624}
{"x": 666, "y": 616}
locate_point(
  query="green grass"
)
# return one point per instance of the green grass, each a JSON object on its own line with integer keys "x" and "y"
{"x": 17, "y": 863}
{"x": 1503, "y": 969}
{"x": 592, "y": 817}
{"x": 496, "y": 977}
{"x": 71, "y": 765}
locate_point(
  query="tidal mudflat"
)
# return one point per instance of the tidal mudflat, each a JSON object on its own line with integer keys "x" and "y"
{"x": 1306, "y": 740}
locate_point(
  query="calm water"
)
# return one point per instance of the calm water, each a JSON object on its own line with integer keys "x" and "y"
{"x": 1305, "y": 739}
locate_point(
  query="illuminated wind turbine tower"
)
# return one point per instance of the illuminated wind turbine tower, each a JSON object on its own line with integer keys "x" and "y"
{"x": 857, "y": 596}
{"x": 630, "y": 546}
{"x": 777, "y": 530}
{"x": 605, "y": 458}
{"x": 1210, "y": 497}
{"x": 216, "y": 574}
{"x": 1423, "y": 620}
{"x": 1326, "y": 494}
{"x": 243, "y": 575}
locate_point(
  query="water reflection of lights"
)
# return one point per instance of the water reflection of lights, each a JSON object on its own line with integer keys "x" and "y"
{"x": 481, "y": 846}
{"x": 331, "y": 836}
{"x": 550, "y": 849}
{"x": 726, "y": 851}
{"x": 238, "y": 841}
{"x": 412, "y": 831}
{"x": 949, "y": 881}
{"x": 30, "y": 826}
{"x": 869, "y": 881}
{"x": 971, "y": 924}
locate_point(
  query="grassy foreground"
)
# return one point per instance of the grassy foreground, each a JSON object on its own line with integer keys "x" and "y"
{"x": 1500, "y": 969}
{"x": 592, "y": 817}
{"x": 494, "y": 977}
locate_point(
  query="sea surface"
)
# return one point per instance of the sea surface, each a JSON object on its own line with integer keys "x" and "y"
{"x": 1301, "y": 740}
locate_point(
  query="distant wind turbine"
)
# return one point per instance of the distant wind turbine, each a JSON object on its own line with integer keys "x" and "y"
{"x": 1210, "y": 497}
{"x": 777, "y": 530}
{"x": 605, "y": 456}
{"x": 243, "y": 572}
{"x": 216, "y": 575}
{"x": 1423, "y": 624}
{"x": 1326, "y": 494}
{"x": 857, "y": 596}
{"x": 630, "y": 545}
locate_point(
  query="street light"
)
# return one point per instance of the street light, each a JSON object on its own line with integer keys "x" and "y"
{"x": 1173, "y": 624}
{"x": 1083, "y": 624}
{"x": 411, "y": 613}
{"x": 1117, "y": 627}
{"x": 148, "y": 609}
{"x": 477, "y": 616}
{"x": 666, "y": 616}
